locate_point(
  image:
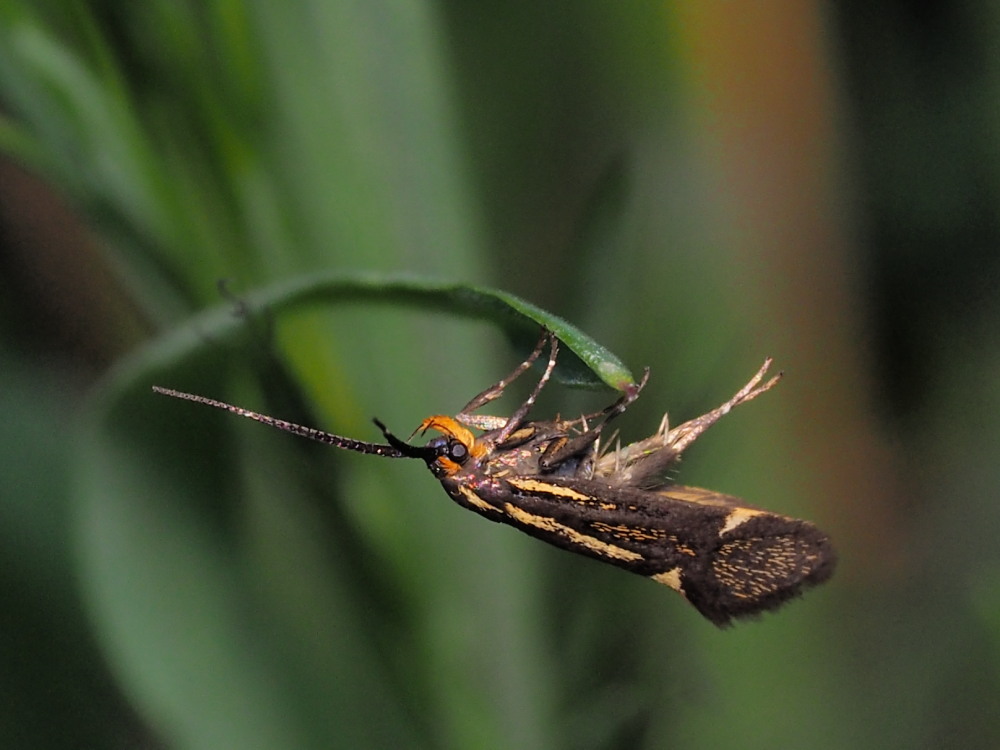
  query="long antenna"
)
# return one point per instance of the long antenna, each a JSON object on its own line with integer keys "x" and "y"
{"x": 359, "y": 446}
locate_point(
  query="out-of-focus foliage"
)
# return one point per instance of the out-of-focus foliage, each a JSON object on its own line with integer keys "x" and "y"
{"x": 695, "y": 186}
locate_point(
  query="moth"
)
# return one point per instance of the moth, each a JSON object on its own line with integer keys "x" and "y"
{"x": 558, "y": 482}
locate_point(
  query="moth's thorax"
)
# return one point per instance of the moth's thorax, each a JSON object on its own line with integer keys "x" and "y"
{"x": 523, "y": 452}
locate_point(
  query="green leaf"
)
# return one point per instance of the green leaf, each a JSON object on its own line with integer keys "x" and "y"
{"x": 583, "y": 362}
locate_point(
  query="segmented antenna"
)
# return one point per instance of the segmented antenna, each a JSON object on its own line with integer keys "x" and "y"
{"x": 350, "y": 444}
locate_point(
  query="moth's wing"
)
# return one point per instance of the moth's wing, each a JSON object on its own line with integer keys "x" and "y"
{"x": 727, "y": 558}
{"x": 701, "y": 496}
{"x": 760, "y": 559}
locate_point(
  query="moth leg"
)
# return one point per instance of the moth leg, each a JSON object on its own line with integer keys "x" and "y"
{"x": 618, "y": 407}
{"x": 681, "y": 437}
{"x": 484, "y": 422}
{"x": 518, "y": 416}
{"x": 559, "y": 451}
{"x": 466, "y": 417}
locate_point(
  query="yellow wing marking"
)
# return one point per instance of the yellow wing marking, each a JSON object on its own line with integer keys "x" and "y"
{"x": 475, "y": 500}
{"x": 671, "y": 578}
{"x": 534, "y": 485}
{"x": 738, "y": 517}
{"x": 554, "y": 527}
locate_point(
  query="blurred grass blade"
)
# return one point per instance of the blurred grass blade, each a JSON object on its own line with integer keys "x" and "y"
{"x": 584, "y": 363}
{"x": 220, "y": 645}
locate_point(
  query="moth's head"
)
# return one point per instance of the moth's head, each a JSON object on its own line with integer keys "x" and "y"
{"x": 444, "y": 455}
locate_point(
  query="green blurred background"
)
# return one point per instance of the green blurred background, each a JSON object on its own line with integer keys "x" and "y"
{"x": 695, "y": 185}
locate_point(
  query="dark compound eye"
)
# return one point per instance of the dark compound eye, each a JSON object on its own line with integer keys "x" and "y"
{"x": 457, "y": 452}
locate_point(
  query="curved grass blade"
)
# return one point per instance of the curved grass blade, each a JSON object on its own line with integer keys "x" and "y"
{"x": 590, "y": 366}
